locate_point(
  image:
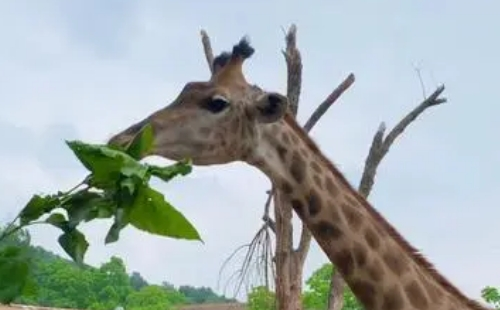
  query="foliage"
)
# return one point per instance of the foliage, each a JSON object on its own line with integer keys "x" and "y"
{"x": 198, "y": 295}
{"x": 117, "y": 187}
{"x": 492, "y": 296}
{"x": 137, "y": 281}
{"x": 154, "y": 297}
{"x": 15, "y": 266}
{"x": 261, "y": 298}
{"x": 62, "y": 283}
{"x": 316, "y": 296}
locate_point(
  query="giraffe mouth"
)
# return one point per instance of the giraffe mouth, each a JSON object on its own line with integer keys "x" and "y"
{"x": 123, "y": 138}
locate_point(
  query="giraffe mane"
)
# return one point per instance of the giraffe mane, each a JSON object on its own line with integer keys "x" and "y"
{"x": 414, "y": 254}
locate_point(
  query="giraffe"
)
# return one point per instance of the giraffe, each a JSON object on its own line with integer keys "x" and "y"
{"x": 226, "y": 119}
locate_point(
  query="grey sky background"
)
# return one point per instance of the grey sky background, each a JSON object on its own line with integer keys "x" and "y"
{"x": 85, "y": 69}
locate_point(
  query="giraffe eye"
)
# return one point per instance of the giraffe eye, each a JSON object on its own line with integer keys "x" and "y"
{"x": 216, "y": 104}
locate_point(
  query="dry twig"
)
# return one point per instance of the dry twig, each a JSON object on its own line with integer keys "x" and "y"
{"x": 380, "y": 146}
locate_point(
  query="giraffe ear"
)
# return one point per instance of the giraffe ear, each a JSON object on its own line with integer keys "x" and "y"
{"x": 269, "y": 108}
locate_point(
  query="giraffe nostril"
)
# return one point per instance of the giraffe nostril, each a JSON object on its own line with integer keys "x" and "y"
{"x": 274, "y": 102}
{"x": 273, "y": 105}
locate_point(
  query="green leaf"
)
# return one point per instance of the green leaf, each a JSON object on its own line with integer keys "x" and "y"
{"x": 85, "y": 206}
{"x": 142, "y": 143}
{"x": 120, "y": 222}
{"x": 14, "y": 271}
{"x": 37, "y": 206}
{"x": 150, "y": 212}
{"x": 113, "y": 234}
{"x": 106, "y": 164}
{"x": 101, "y": 209}
{"x": 74, "y": 244}
{"x": 167, "y": 173}
{"x": 58, "y": 220}
{"x": 128, "y": 184}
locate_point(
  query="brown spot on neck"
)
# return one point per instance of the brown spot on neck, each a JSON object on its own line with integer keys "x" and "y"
{"x": 298, "y": 168}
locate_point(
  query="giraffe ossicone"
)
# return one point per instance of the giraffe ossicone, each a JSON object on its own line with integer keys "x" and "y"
{"x": 226, "y": 119}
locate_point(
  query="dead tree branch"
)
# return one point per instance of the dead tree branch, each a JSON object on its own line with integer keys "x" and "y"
{"x": 289, "y": 262}
{"x": 327, "y": 103}
{"x": 266, "y": 218}
{"x": 379, "y": 148}
{"x": 294, "y": 69}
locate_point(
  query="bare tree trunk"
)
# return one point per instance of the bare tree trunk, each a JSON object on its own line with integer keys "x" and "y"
{"x": 288, "y": 277}
{"x": 286, "y": 262}
{"x": 378, "y": 149}
{"x": 289, "y": 261}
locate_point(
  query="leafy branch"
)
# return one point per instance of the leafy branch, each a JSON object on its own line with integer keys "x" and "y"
{"x": 117, "y": 187}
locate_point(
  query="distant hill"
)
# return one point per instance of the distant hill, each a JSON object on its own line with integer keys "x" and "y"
{"x": 60, "y": 283}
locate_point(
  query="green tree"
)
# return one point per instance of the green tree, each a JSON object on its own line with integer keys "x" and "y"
{"x": 261, "y": 298}
{"x": 114, "y": 274}
{"x": 62, "y": 284}
{"x": 317, "y": 293}
{"x": 137, "y": 281}
{"x": 199, "y": 295}
{"x": 154, "y": 297}
{"x": 492, "y": 296}
{"x": 16, "y": 264}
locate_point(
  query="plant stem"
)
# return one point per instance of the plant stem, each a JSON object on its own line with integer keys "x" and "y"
{"x": 7, "y": 232}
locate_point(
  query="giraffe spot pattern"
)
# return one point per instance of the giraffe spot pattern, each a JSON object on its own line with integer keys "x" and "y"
{"x": 286, "y": 138}
{"x": 286, "y": 187}
{"x": 334, "y": 212}
{"x": 375, "y": 271}
{"x": 433, "y": 292}
{"x": 331, "y": 187}
{"x": 314, "y": 202}
{"x": 353, "y": 216}
{"x": 372, "y": 238}
{"x": 360, "y": 255}
{"x": 416, "y": 295}
{"x": 318, "y": 182}
{"x": 298, "y": 206}
{"x": 396, "y": 263}
{"x": 345, "y": 262}
{"x": 328, "y": 230}
{"x": 298, "y": 168}
{"x": 393, "y": 299}
{"x": 365, "y": 291}
{"x": 315, "y": 166}
{"x": 304, "y": 153}
{"x": 282, "y": 151}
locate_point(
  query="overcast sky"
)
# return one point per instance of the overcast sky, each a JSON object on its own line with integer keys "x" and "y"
{"x": 85, "y": 69}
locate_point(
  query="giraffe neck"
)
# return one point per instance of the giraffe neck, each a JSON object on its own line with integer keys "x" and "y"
{"x": 380, "y": 267}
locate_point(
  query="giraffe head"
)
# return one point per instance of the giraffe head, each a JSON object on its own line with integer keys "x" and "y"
{"x": 215, "y": 121}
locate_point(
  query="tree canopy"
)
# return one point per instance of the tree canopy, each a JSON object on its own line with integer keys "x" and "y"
{"x": 62, "y": 283}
